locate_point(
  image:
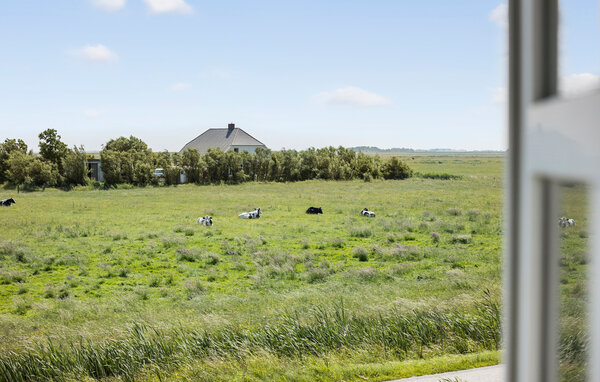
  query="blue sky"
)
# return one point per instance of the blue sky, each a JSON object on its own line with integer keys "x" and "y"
{"x": 294, "y": 74}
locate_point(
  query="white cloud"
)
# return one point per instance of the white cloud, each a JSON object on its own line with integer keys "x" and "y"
{"x": 91, "y": 113}
{"x": 96, "y": 53}
{"x": 499, "y": 15}
{"x": 168, "y": 6}
{"x": 351, "y": 96}
{"x": 109, "y": 5}
{"x": 576, "y": 84}
{"x": 180, "y": 86}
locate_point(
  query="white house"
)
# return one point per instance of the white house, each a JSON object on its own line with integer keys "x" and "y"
{"x": 230, "y": 138}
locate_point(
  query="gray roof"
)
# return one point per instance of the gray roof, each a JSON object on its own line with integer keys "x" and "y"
{"x": 221, "y": 138}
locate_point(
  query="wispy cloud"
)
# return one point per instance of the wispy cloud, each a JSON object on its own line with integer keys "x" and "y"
{"x": 91, "y": 113}
{"x": 109, "y": 5}
{"x": 96, "y": 53}
{"x": 351, "y": 96}
{"x": 499, "y": 15}
{"x": 168, "y": 6}
{"x": 180, "y": 86}
{"x": 575, "y": 84}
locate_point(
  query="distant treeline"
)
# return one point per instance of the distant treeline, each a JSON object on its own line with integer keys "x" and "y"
{"x": 130, "y": 161}
{"x": 404, "y": 150}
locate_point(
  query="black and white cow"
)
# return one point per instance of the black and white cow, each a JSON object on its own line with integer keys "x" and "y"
{"x": 206, "y": 220}
{"x": 250, "y": 215}
{"x": 564, "y": 222}
{"x": 7, "y": 202}
{"x": 314, "y": 210}
{"x": 367, "y": 213}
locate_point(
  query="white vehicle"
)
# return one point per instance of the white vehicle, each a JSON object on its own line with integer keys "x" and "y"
{"x": 159, "y": 172}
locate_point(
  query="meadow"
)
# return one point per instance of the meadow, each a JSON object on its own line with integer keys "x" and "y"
{"x": 123, "y": 284}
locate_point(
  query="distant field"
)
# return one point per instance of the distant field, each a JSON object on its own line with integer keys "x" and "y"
{"x": 294, "y": 296}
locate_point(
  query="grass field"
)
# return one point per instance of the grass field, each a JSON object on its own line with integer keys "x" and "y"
{"x": 124, "y": 284}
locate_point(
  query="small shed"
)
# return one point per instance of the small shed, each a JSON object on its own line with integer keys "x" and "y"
{"x": 95, "y": 169}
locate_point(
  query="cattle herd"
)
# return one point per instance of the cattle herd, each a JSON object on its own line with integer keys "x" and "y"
{"x": 208, "y": 221}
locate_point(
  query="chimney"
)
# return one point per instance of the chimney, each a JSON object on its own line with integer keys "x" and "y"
{"x": 230, "y": 127}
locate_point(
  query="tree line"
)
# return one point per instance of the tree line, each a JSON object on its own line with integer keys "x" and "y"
{"x": 130, "y": 161}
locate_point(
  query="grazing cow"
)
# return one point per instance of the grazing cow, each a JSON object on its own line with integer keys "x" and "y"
{"x": 250, "y": 215}
{"x": 7, "y": 202}
{"x": 207, "y": 221}
{"x": 314, "y": 210}
{"x": 564, "y": 222}
{"x": 367, "y": 213}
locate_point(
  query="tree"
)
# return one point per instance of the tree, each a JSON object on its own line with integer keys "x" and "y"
{"x": 193, "y": 165}
{"x": 394, "y": 168}
{"x": 8, "y": 147}
{"x": 52, "y": 149}
{"x": 41, "y": 174}
{"x": 17, "y": 164}
{"x": 127, "y": 160}
{"x": 75, "y": 166}
{"x": 111, "y": 166}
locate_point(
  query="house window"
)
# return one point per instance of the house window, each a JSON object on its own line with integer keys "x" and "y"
{"x": 237, "y": 150}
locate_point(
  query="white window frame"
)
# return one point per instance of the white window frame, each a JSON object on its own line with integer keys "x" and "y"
{"x": 533, "y": 176}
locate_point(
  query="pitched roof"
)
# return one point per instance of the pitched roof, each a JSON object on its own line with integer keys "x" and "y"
{"x": 222, "y": 138}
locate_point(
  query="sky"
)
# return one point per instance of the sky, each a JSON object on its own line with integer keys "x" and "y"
{"x": 294, "y": 74}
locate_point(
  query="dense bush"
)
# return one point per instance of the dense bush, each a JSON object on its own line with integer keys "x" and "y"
{"x": 56, "y": 165}
{"x": 327, "y": 163}
{"x": 130, "y": 161}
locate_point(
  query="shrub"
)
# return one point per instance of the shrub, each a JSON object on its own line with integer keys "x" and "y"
{"x": 337, "y": 242}
{"x": 212, "y": 259}
{"x": 49, "y": 292}
{"x": 21, "y": 307}
{"x": 9, "y": 277}
{"x": 453, "y": 211}
{"x": 401, "y": 269}
{"x": 123, "y": 272}
{"x": 170, "y": 242}
{"x": 189, "y": 255}
{"x": 472, "y": 214}
{"x": 316, "y": 275}
{"x": 435, "y": 237}
{"x": 441, "y": 176}
{"x": 394, "y": 168}
{"x": 363, "y": 231}
{"x": 462, "y": 239}
{"x": 360, "y": 253}
{"x": 194, "y": 287}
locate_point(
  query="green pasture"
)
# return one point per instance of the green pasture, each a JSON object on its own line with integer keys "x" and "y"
{"x": 327, "y": 295}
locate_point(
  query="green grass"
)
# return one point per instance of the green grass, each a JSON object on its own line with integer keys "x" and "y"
{"x": 81, "y": 270}
{"x": 574, "y": 285}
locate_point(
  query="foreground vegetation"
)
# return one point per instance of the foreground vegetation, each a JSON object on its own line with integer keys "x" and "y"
{"x": 122, "y": 282}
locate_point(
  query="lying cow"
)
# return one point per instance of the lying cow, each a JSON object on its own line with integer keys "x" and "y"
{"x": 7, "y": 202}
{"x": 314, "y": 210}
{"x": 365, "y": 212}
{"x": 564, "y": 222}
{"x": 250, "y": 215}
{"x": 207, "y": 220}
